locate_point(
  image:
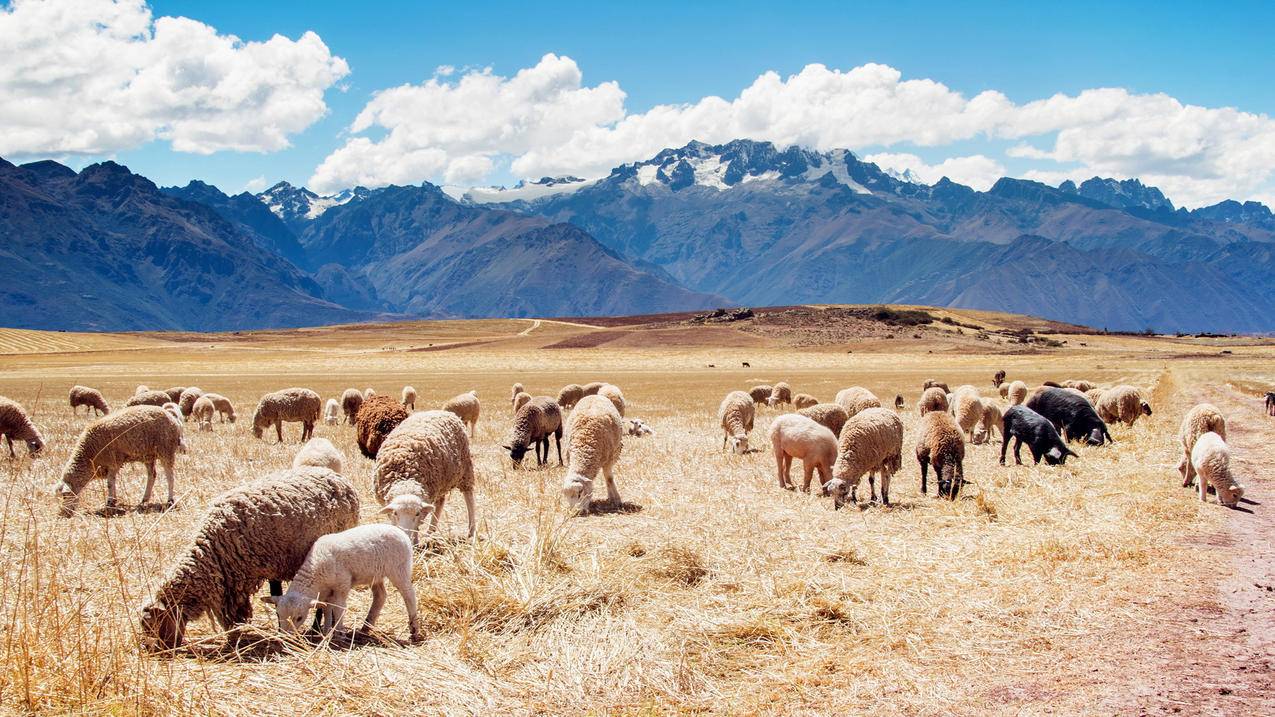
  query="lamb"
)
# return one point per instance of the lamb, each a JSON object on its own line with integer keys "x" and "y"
{"x": 90, "y": 398}
{"x": 871, "y": 442}
{"x": 760, "y": 393}
{"x": 829, "y": 415}
{"x": 409, "y": 398}
{"x": 363, "y": 556}
{"x": 856, "y": 399}
{"x": 968, "y": 410}
{"x": 1070, "y": 413}
{"x": 517, "y": 389}
{"x": 139, "y": 434}
{"x": 941, "y": 445}
{"x": 540, "y": 418}
{"x": 188, "y": 398}
{"x": 795, "y": 436}
{"x": 736, "y": 414}
{"x": 260, "y": 531}
{"x": 780, "y": 393}
{"x": 467, "y": 407}
{"x": 202, "y": 411}
{"x": 1202, "y": 418}
{"x": 993, "y": 416}
{"x": 377, "y": 418}
{"x": 1025, "y": 425}
{"x": 1124, "y": 404}
{"x": 351, "y": 402}
{"x": 431, "y": 449}
{"x": 297, "y": 405}
{"x": 1079, "y": 385}
{"x": 15, "y": 423}
{"x": 594, "y": 441}
{"x": 1017, "y": 393}
{"x": 591, "y": 389}
{"x": 613, "y": 394}
{"x": 637, "y": 428}
{"x": 149, "y": 398}
{"x": 934, "y": 399}
{"x": 521, "y": 400}
{"x": 407, "y": 506}
{"x": 331, "y": 411}
{"x": 568, "y": 397}
{"x": 1211, "y": 459}
{"x": 804, "y": 400}
{"x": 999, "y": 378}
{"x": 931, "y": 383}
{"x": 175, "y": 393}
{"x": 319, "y": 453}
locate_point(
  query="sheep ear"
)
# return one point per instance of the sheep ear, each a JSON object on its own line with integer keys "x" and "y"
{"x": 270, "y": 599}
{"x": 508, "y": 448}
{"x": 385, "y": 509}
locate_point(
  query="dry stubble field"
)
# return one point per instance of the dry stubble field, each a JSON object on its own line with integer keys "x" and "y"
{"x": 714, "y": 591}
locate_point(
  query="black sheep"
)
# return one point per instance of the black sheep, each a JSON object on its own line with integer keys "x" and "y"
{"x": 1072, "y": 414}
{"x": 1270, "y": 404}
{"x": 1027, "y": 426}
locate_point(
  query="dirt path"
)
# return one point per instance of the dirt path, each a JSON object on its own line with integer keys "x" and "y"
{"x": 535, "y": 324}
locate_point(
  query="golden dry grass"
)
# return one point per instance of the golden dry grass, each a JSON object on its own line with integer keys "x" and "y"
{"x": 715, "y": 592}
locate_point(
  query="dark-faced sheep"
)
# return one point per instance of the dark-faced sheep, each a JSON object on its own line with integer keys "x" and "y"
{"x": 941, "y": 445}
{"x": 137, "y": 434}
{"x": 377, "y": 418}
{"x": 15, "y": 423}
{"x": 90, "y": 398}
{"x": 998, "y": 378}
{"x": 1026, "y": 426}
{"x": 538, "y": 419}
{"x": 296, "y": 405}
{"x": 1070, "y": 413}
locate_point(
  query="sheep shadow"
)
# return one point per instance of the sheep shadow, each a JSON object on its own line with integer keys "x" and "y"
{"x": 893, "y": 506}
{"x": 252, "y": 644}
{"x": 606, "y": 507}
{"x": 438, "y": 544}
{"x": 119, "y": 511}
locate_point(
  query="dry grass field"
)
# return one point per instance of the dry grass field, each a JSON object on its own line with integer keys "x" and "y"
{"x": 1050, "y": 590}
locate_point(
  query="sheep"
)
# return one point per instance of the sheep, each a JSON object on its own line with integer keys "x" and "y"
{"x": 856, "y": 399}
{"x": 1270, "y": 403}
{"x": 780, "y": 393}
{"x": 1211, "y": 460}
{"x": 637, "y": 428}
{"x": 142, "y": 388}
{"x": 175, "y": 393}
{"x": 225, "y": 409}
{"x": 613, "y": 394}
{"x": 829, "y": 415}
{"x": 363, "y": 556}
{"x": 521, "y": 400}
{"x": 1003, "y": 390}
{"x": 202, "y": 411}
{"x": 368, "y": 393}
{"x": 592, "y": 388}
{"x": 257, "y": 532}
{"x": 998, "y": 378}
{"x": 407, "y": 507}
{"x": 1017, "y": 393}
{"x": 736, "y": 414}
{"x": 175, "y": 411}
{"x": 467, "y": 407}
{"x": 540, "y": 418}
{"x": 139, "y": 434}
{"x": 1202, "y": 418}
{"x": 993, "y": 416}
{"x": 1025, "y": 425}
{"x": 1124, "y": 404}
{"x": 1079, "y": 385}
{"x": 871, "y": 442}
{"x": 795, "y": 436}
{"x": 968, "y": 411}
{"x": 1052, "y": 384}
{"x": 149, "y": 398}
{"x": 931, "y": 383}
{"x": 297, "y": 405}
{"x": 594, "y": 441}
{"x": 1094, "y": 395}
{"x": 377, "y": 418}
{"x": 517, "y": 389}
{"x": 431, "y": 449}
{"x": 320, "y": 453}
{"x": 804, "y": 400}
{"x": 1070, "y": 413}
{"x": 568, "y": 396}
{"x": 351, "y": 402}
{"x": 760, "y": 393}
{"x": 941, "y": 445}
{"x": 331, "y": 412}
{"x": 15, "y": 423}
{"x": 933, "y": 399}
{"x": 898, "y": 402}
{"x": 188, "y": 398}
{"x": 409, "y": 398}
{"x": 90, "y": 398}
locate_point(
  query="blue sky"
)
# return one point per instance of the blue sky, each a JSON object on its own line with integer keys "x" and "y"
{"x": 679, "y": 53}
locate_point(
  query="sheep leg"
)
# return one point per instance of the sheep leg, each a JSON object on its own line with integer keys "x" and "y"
{"x": 808, "y": 473}
{"x": 557, "y": 437}
{"x": 872, "y": 486}
{"x": 885, "y": 489}
{"x": 438, "y": 511}
{"x": 278, "y": 429}
{"x": 10, "y": 440}
{"x": 168, "y": 476}
{"x": 1187, "y": 470}
{"x": 472, "y": 510}
{"x": 150, "y": 482}
{"x": 613, "y": 493}
{"x": 378, "y": 602}
{"x": 779, "y": 467}
{"x": 337, "y": 608}
{"x": 110, "y": 487}
{"x": 1204, "y": 490}
{"x": 925, "y": 469}
{"x": 276, "y": 588}
{"x": 1018, "y": 445}
{"x": 403, "y": 584}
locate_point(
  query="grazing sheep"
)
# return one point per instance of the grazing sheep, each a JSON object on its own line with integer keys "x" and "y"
{"x": 1072, "y": 414}
{"x": 856, "y": 399}
{"x": 296, "y": 405}
{"x": 143, "y": 388}
{"x": 613, "y": 394}
{"x": 993, "y": 416}
{"x": 320, "y": 453}
{"x": 175, "y": 393}
{"x": 594, "y": 440}
{"x": 591, "y": 389}
{"x": 368, "y": 393}
{"x": 1017, "y": 393}
{"x": 1079, "y": 385}
{"x": 941, "y": 445}
{"x": 1094, "y": 395}
{"x": 1202, "y": 418}
{"x": 780, "y": 393}
{"x": 260, "y": 531}
{"x": 898, "y": 402}
{"x": 829, "y": 415}
{"x": 760, "y": 393}
{"x": 637, "y": 428}
{"x": 521, "y": 400}
{"x": 331, "y": 412}
{"x": 736, "y": 414}
{"x": 225, "y": 409}
{"x": 188, "y": 398}
{"x": 568, "y": 397}
{"x": 795, "y": 436}
{"x": 138, "y": 434}
{"x": 540, "y": 418}
{"x": 363, "y": 556}
{"x": 998, "y": 378}
{"x": 1003, "y": 390}
{"x": 407, "y": 506}
{"x": 175, "y": 411}
{"x": 933, "y": 399}
{"x": 931, "y": 383}
{"x": 1211, "y": 460}
{"x": 377, "y": 418}
{"x": 517, "y": 389}
{"x": 431, "y": 449}
{"x": 90, "y": 398}
{"x": 202, "y": 411}
{"x": 409, "y": 398}
{"x": 968, "y": 411}
{"x": 351, "y": 402}
{"x": 1270, "y": 403}
{"x": 1052, "y": 384}
{"x": 467, "y": 407}
{"x": 149, "y": 398}
{"x": 1124, "y": 404}
{"x": 804, "y": 400}
{"x": 871, "y": 442}
{"x": 1025, "y": 425}
{"x": 15, "y": 423}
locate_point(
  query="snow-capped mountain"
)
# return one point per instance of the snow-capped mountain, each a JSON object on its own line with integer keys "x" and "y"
{"x": 523, "y": 191}
{"x": 296, "y": 205}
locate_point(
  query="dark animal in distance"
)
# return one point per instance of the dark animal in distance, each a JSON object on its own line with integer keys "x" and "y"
{"x": 999, "y": 378}
{"x": 1270, "y": 404}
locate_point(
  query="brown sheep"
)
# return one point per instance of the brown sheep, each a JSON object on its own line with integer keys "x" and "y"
{"x": 377, "y": 418}
{"x": 830, "y": 415}
{"x": 14, "y": 423}
{"x": 90, "y": 398}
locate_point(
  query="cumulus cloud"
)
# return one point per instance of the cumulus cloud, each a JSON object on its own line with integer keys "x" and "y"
{"x": 99, "y": 76}
{"x": 256, "y": 184}
{"x": 977, "y": 171}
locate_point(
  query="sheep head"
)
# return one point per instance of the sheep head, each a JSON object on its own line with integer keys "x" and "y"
{"x": 578, "y": 492}
{"x": 841, "y": 491}
{"x": 408, "y": 512}
{"x": 739, "y": 444}
{"x": 292, "y": 609}
{"x": 163, "y": 626}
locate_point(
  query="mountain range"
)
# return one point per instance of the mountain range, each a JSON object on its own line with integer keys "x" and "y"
{"x": 692, "y": 227}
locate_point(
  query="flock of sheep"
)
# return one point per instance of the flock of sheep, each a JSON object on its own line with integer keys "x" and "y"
{"x": 301, "y": 525}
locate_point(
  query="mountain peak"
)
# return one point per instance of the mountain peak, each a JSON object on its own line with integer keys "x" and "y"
{"x": 1125, "y": 194}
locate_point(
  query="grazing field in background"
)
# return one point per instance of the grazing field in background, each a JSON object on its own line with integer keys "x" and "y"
{"x": 711, "y": 591}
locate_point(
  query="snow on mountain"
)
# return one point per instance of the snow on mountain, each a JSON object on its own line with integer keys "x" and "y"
{"x": 294, "y": 204}
{"x": 523, "y": 191}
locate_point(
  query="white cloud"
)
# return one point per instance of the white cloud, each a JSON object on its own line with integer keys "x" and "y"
{"x": 97, "y": 76}
{"x": 256, "y": 184}
{"x": 977, "y": 171}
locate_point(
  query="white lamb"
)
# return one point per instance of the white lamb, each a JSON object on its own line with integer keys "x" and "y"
{"x": 1211, "y": 459}
{"x": 331, "y": 411}
{"x": 796, "y": 436}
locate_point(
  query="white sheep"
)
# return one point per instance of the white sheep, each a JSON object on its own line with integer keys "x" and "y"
{"x": 568, "y": 396}
{"x": 780, "y": 393}
{"x": 351, "y": 402}
{"x": 993, "y": 415}
{"x": 467, "y": 407}
{"x": 202, "y": 411}
{"x": 933, "y": 398}
{"x": 174, "y": 410}
{"x": 521, "y": 400}
{"x": 409, "y": 398}
{"x": 407, "y": 507}
{"x": 225, "y": 409}
{"x": 368, "y": 393}
{"x": 1211, "y": 460}
{"x": 967, "y": 407}
{"x": 804, "y": 400}
{"x": 188, "y": 398}
{"x": 613, "y": 394}
{"x": 90, "y": 398}
{"x": 517, "y": 389}
{"x": 331, "y": 412}
{"x": 320, "y": 452}
{"x": 432, "y": 449}
{"x": 1017, "y": 393}
{"x": 1202, "y": 418}
{"x": 637, "y": 428}
{"x": 1122, "y": 403}
{"x": 796, "y": 436}
{"x": 856, "y": 399}
{"x": 138, "y": 434}
{"x": 871, "y": 442}
{"x": 594, "y": 440}
{"x": 736, "y": 414}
